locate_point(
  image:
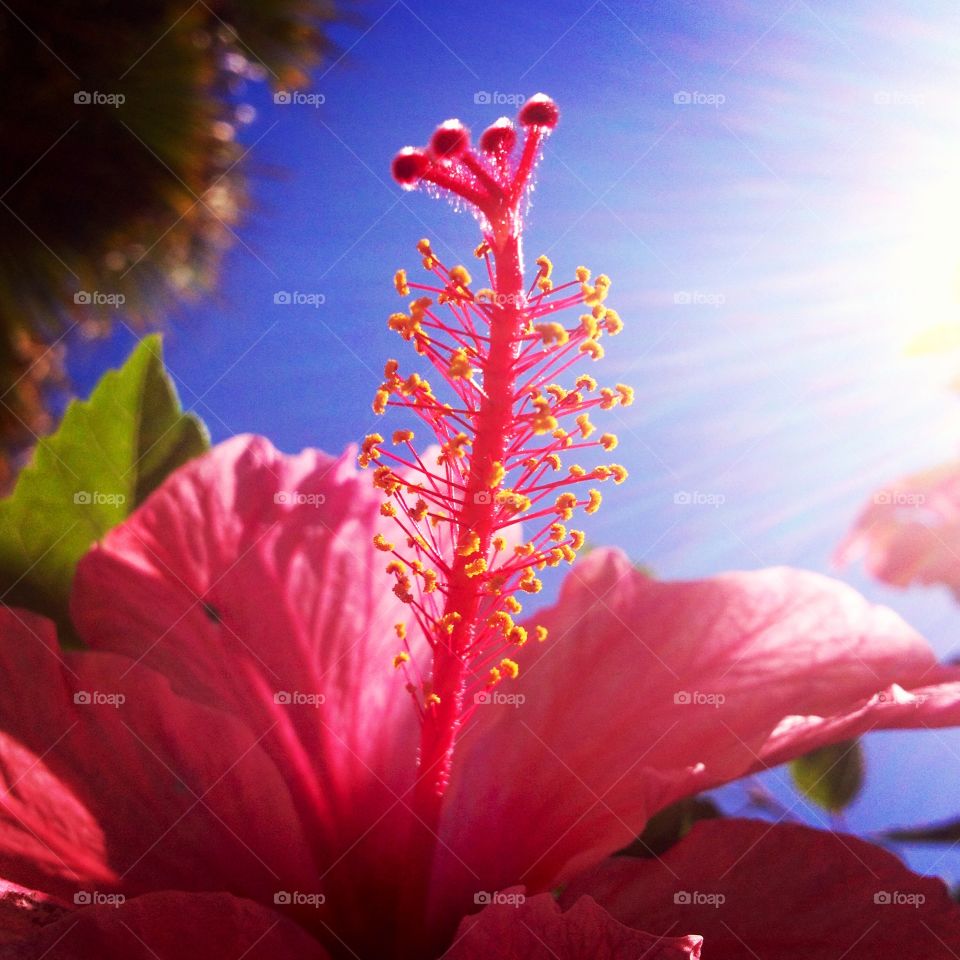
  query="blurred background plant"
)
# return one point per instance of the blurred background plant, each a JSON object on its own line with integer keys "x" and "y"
{"x": 121, "y": 173}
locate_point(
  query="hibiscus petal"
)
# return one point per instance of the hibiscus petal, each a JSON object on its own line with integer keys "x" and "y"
{"x": 780, "y": 892}
{"x": 161, "y": 925}
{"x": 110, "y": 781}
{"x": 648, "y": 691}
{"x": 909, "y": 532}
{"x": 536, "y": 929}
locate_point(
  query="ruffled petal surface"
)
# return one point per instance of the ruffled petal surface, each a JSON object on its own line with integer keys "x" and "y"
{"x": 780, "y": 892}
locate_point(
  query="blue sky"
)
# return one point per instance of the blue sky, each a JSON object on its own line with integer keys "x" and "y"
{"x": 804, "y": 200}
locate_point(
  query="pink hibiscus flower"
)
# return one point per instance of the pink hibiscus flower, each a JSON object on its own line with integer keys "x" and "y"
{"x": 910, "y": 532}
{"x": 271, "y": 746}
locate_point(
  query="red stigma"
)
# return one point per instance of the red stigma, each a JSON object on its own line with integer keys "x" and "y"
{"x": 539, "y": 111}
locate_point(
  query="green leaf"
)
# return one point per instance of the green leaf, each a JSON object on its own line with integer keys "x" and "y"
{"x": 671, "y": 825}
{"x": 832, "y": 776}
{"x": 107, "y": 455}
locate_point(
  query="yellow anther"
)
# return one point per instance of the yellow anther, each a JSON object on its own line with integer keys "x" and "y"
{"x": 525, "y": 549}
{"x": 554, "y": 460}
{"x": 469, "y": 543}
{"x": 402, "y": 589}
{"x": 565, "y": 439}
{"x": 517, "y": 635}
{"x": 542, "y": 634}
{"x": 513, "y": 502}
{"x": 557, "y": 392}
{"x": 381, "y": 543}
{"x": 501, "y": 621}
{"x": 495, "y": 475}
{"x": 586, "y": 382}
{"x": 401, "y": 630}
{"x": 594, "y": 503}
{"x": 476, "y": 568}
{"x": 577, "y": 539}
{"x": 432, "y": 700}
{"x": 448, "y": 621}
{"x": 423, "y": 246}
{"x": 593, "y": 348}
{"x": 400, "y": 282}
{"x": 543, "y": 420}
{"x": 494, "y": 677}
{"x": 558, "y": 532}
{"x": 545, "y": 285}
{"x": 397, "y": 566}
{"x": 613, "y": 322}
{"x": 602, "y": 473}
{"x": 586, "y": 427}
{"x": 609, "y": 398}
{"x": 619, "y": 472}
{"x": 402, "y": 436}
{"x": 555, "y": 557}
{"x": 368, "y": 450}
{"x": 531, "y": 584}
{"x": 460, "y": 276}
{"x": 485, "y": 295}
{"x": 380, "y": 400}
{"x": 510, "y": 668}
{"x": 454, "y": 448}
{"x": 420, "y": 510}
{"x": 569, "y": 554}
{"x": 626, "y": 394}
{"x": 400, "y": 659}
{"x": 552, "y": 333}
{"x": 482, "y": 250}
{"x": 576, "y": 471}
{"x": 565, "y": 505}
{"x": 499, "y": 543}
{"x": 390, "y": 369}
{"x": 429, "y": 581}
{"x": 384, "y": 479}
{"x": 459, "y": 367}
{"x": 545, "y": 265}
{"x": 590, "y": 325}
{"x": 387, "y": 509}
{"x": 599, "y": 311}
{"x": 513, "y": 604}
{"x": 583, "y": 274}
{"x": 609, "y": 441}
